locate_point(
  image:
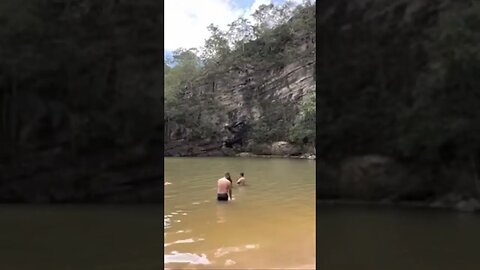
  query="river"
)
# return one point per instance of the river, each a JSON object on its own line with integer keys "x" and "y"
{"x": 269, "y": 224}
{"x": 397, "y": 238}
{"x": 79, "y": 237}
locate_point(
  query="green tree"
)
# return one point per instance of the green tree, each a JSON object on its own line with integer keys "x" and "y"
{"x": 240, "y": 32}
{"x": 216, "y": 46}
{"x": 180, "y": 76}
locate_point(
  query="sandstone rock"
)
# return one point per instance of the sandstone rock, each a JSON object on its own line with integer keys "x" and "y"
{"x": 283, "y": 148}
{"x": 245, "y": 154}
{"x": 470, "y": 205}
{"x": 308, "y": 156}
{"x": 246, "y": 96}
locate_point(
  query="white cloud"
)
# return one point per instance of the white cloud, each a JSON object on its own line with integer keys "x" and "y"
{"x": 256, "y": 4}
{"x": 186, "y": 21}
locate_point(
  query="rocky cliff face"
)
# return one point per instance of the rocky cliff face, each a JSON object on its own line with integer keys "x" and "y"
{"x": 382, "y": 67}
{"x": 243, "y": 95}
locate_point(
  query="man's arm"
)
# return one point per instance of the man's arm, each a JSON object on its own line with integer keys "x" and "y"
{"x": 230, "y": 190}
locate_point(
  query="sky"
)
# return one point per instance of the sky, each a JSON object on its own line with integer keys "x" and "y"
{"x": 186, "y": 21}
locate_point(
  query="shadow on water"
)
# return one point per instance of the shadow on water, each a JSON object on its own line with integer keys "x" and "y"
{"x": 78, "y": 237}
{"x": 392, "y": 238}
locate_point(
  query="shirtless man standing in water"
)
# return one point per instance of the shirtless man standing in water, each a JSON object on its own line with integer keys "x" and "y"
{"x": 224, "y": 188}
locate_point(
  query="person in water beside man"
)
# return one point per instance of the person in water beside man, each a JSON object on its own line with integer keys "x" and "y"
{"x": 224, "y": 188}
{"x": 225, "y": 185}
{"x": 241, "y": 181}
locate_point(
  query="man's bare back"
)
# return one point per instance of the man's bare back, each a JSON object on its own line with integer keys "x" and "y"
{"x": 224, "y": 189}
{"x": 223, "y": 185}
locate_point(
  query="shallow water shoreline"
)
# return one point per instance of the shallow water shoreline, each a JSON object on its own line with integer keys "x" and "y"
{"x": 249, "y": 155}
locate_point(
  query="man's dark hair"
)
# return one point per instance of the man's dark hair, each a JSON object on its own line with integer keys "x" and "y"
{"x": 227, "y": 175}
{"x": 241, "y": 174}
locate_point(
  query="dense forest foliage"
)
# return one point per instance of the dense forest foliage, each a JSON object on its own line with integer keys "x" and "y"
{"x": 79, "y": 75}
{"x": 269, "y": 39}
{"x": 401, "y": 79}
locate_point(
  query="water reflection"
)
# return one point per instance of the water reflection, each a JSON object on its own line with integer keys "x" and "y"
{"x": 227, "y": 250}
{"x": 221, "y": 218}
{"x": 184, "y": 241}
{"x": 191, "y": 258}
{"x": 230, "y": 262}
{"x": 167, "y": 223}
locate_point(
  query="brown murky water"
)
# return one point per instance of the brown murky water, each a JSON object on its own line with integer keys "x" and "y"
{"x": 269, "y": 224}
{"x": 79, "y": 237}
{"x": 397, "y": 239}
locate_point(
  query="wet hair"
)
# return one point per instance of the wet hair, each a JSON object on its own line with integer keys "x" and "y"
{"x": 241, "y": 174}
{"x": 227, "y": 175}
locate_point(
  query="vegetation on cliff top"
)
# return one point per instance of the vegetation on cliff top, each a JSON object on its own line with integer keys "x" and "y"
{"x": 271, "y": 40}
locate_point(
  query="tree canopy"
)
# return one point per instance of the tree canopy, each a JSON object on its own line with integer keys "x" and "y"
{"x": 270, "y": 38}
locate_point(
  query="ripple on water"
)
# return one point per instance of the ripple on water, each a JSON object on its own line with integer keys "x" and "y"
{"x": 230, "y": 262}
{"x": 191, "y": 258}
{"x": 167, "y": 223}
{"x": 184, "y": 241}
{"x": 226, "y": 250}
